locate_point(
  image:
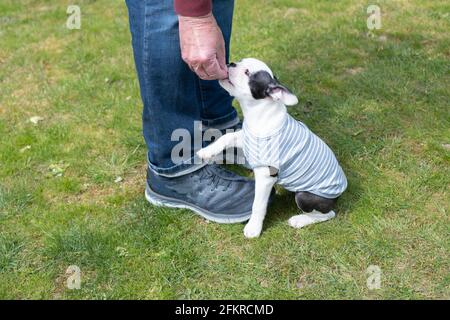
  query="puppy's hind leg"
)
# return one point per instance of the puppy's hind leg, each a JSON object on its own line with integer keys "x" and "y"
{"x": 316, "y": 208}
{"x": 303, "y": 220}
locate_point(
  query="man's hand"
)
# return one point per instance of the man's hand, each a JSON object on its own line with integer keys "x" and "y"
{"x": 203, "y": 47}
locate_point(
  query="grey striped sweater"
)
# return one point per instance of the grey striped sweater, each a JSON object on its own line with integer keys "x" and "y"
{"x": 303, "y": 160}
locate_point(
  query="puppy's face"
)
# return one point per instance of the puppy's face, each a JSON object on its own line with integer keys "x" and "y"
{"x": 252, "y": 79}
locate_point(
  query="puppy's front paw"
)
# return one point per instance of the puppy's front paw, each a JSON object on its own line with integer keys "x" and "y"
{"x": 205, "y": 154}
{"x": 252, "y": 229}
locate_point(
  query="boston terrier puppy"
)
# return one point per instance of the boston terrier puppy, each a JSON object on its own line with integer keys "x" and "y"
{"x": 278, "y": 148}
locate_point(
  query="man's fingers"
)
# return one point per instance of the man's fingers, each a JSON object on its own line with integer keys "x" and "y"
{"x": 210, "y": 70}
{"x": 199, "y": 70}
{"x": 214, "y": 71}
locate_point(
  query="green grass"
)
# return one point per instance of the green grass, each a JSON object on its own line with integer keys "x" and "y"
{"x": 381, "y": 102}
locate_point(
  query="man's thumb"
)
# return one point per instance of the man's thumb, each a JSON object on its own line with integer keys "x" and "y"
{"x": 222, "y": 62}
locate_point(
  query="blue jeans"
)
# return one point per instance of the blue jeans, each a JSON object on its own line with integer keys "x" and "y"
{"x": 173, "y": 96}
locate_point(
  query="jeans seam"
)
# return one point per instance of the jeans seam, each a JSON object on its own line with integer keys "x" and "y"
{"x": 145, "y": 51}
{"x": 202, "y": 97}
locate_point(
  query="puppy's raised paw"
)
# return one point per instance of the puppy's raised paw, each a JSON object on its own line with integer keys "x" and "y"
{"x": 205, "y": 154}
{"x": 252, "y": 230}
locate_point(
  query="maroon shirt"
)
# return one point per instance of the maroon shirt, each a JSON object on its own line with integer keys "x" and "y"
{"x": 193, "y": 8}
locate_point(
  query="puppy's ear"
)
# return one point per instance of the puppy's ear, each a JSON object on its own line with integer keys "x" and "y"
{"x": 262, "y": 85}
{"x": 278, "y": 92}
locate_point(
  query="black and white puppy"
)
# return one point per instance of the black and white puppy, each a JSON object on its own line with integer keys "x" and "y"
{"x": 278, "y": 148}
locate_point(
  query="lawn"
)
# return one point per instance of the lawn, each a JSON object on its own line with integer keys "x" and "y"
{"x": 71, "y": 184}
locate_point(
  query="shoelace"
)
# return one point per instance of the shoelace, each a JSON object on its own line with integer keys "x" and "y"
{"x": 214, "y": 180}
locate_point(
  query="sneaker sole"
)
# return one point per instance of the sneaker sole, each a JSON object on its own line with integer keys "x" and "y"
{"x": 163, "y": 201}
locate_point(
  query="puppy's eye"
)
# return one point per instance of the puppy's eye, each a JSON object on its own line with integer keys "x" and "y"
{"x": 247, "y": 73}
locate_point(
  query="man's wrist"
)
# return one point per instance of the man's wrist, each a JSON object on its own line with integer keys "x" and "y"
{"x": 198, "y": 19}
{"x": 193, "y": 8}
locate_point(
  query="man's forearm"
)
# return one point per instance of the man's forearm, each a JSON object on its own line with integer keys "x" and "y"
{"x": 193, "y": 8}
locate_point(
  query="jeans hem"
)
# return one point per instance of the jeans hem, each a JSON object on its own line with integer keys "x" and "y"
{"x": 188, "y": 166}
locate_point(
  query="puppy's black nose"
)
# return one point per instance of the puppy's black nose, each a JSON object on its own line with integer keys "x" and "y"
{"x": 231, "y": 65}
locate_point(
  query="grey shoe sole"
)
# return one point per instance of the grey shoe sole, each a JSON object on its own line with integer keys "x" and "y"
{"x": 163, "y": 201}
